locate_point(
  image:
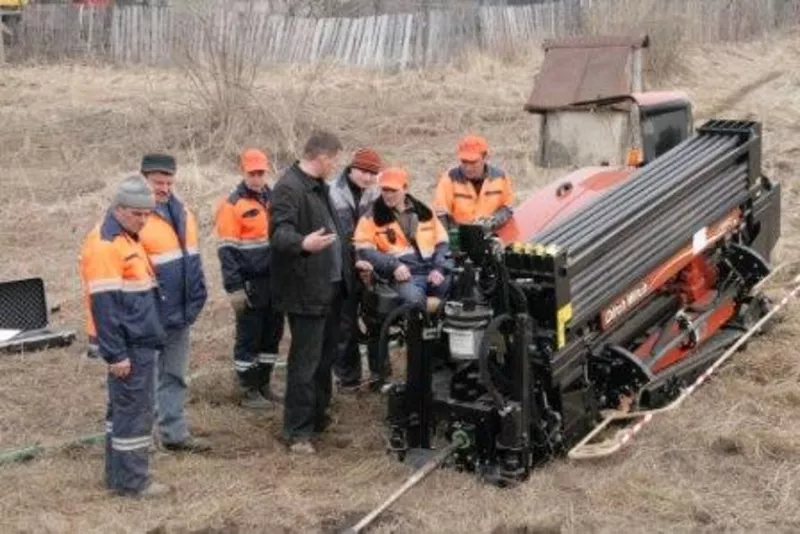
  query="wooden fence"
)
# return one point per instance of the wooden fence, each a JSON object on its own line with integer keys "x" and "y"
{"x": 159, "y": 35}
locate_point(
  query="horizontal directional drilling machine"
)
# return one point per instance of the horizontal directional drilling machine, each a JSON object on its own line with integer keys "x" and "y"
{"x": 611, "y": 290}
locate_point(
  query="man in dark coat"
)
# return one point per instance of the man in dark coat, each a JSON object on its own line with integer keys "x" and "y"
{"x": 310, "y": 279}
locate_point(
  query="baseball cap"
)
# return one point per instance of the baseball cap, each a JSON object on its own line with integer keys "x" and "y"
{"x": 254, "y": 160}
{"x": 393, "y": 177}
{"x": 472, "y": 148}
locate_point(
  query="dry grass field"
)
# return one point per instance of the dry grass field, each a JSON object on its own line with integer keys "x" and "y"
{"x": 729, "y": 460}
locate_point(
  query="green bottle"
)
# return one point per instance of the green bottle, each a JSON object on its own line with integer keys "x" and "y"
{"x": 452, "y": 235}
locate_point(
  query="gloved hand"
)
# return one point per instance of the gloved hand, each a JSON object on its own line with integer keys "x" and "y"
{"x": 238, "y": 300}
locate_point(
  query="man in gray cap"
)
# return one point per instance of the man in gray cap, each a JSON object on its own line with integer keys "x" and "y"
{"x": 170, "y": 239}
{"x": 123, "y": 327}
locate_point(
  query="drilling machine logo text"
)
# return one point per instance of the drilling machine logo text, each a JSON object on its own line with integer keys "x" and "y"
{"x": 621, "y": 306}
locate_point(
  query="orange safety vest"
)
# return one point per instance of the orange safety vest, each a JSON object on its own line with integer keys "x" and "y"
{"x": 456, "y": 196}
{"x": 120, "y": 292}
{"x": 242, "y": 228}
{"x": 380, "y": 240}
{"x": 173, "y": 251}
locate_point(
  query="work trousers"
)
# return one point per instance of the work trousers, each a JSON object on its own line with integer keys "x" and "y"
{"x": 129, "y": 424}
{"x": 418, "y": 289}
{"x": 258, "y": 335}
{"x": 347, "y": 366}
{"x": 171, "y": 386}
{"x": 308, "y": 372}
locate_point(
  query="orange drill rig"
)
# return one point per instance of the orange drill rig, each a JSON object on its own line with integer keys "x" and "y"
{"x": 612, "y": 289}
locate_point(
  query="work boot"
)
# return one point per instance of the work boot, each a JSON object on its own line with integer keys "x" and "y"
{"x": 270, "y": 395}
{"x": 190, "y": 444}
{"x": 152, "y": 491}
{"x": 155, "y": 490}
{"x": 303, "y": 446}
{"x": 323, "y": 424}
{"x": 350, "y": 386}
{"x": 252, "y": 399}
{"x": 376, "y": 383}
{"x": 378, "y": 379}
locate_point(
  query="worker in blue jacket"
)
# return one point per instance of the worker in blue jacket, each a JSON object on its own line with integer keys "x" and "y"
{"x": 124, "y": 329}
{"x": 170, "y": 239}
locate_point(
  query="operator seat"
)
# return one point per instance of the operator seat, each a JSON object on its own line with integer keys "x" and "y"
{"x": 378, "y": 302}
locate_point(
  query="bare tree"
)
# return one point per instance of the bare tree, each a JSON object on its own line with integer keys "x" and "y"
{"x": 217, "y": 53}
{"x": 221, "y": 53}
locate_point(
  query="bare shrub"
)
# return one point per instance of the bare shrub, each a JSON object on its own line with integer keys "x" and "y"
{"x": 221, "y": 55}
{"x": 663, "y": 22}
{"x": 212, "y": 51}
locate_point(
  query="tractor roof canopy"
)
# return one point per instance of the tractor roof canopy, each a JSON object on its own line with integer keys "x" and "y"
{"x": 585, "y": 70}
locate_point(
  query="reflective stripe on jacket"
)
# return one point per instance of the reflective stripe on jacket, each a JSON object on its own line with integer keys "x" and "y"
{"x": 380, "y": 240}
{"x": 120, "y": 292}
{"x": 173, "y": 251}
{"x": 457, "y": 198}
{"x": 242, "y": 228}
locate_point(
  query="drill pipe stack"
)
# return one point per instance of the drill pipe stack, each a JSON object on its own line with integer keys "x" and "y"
{"x": 627, "y": 233}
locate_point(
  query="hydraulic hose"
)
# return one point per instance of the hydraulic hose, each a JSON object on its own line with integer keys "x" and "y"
{"x": 517, "y": 292}
{"x": 483, "y": 357}
{"x": 383, "y": 339}
{"x": 661, "y": 340}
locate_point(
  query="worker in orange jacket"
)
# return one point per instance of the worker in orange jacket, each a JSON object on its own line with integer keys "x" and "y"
{"x": 403, "y": 241}
{"x": 170, "y": 238}
{"x": 242, "y": 226}
{"x": 474, "y": 192}
{"x": 124, "y": 328}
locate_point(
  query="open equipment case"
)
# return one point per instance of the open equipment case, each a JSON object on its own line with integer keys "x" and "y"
{"x": 24, "y": 325}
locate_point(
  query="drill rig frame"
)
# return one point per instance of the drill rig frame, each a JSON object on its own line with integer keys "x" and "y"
{"x": 617, "y": 305}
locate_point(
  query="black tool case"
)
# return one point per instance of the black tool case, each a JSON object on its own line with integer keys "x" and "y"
{"x": 23, "y": 308}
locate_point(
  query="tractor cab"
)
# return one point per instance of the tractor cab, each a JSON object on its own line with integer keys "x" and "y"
{"x": 593, "y": 110}
{"x": 595, "y": 119}
{"x": 665, "y": 119}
